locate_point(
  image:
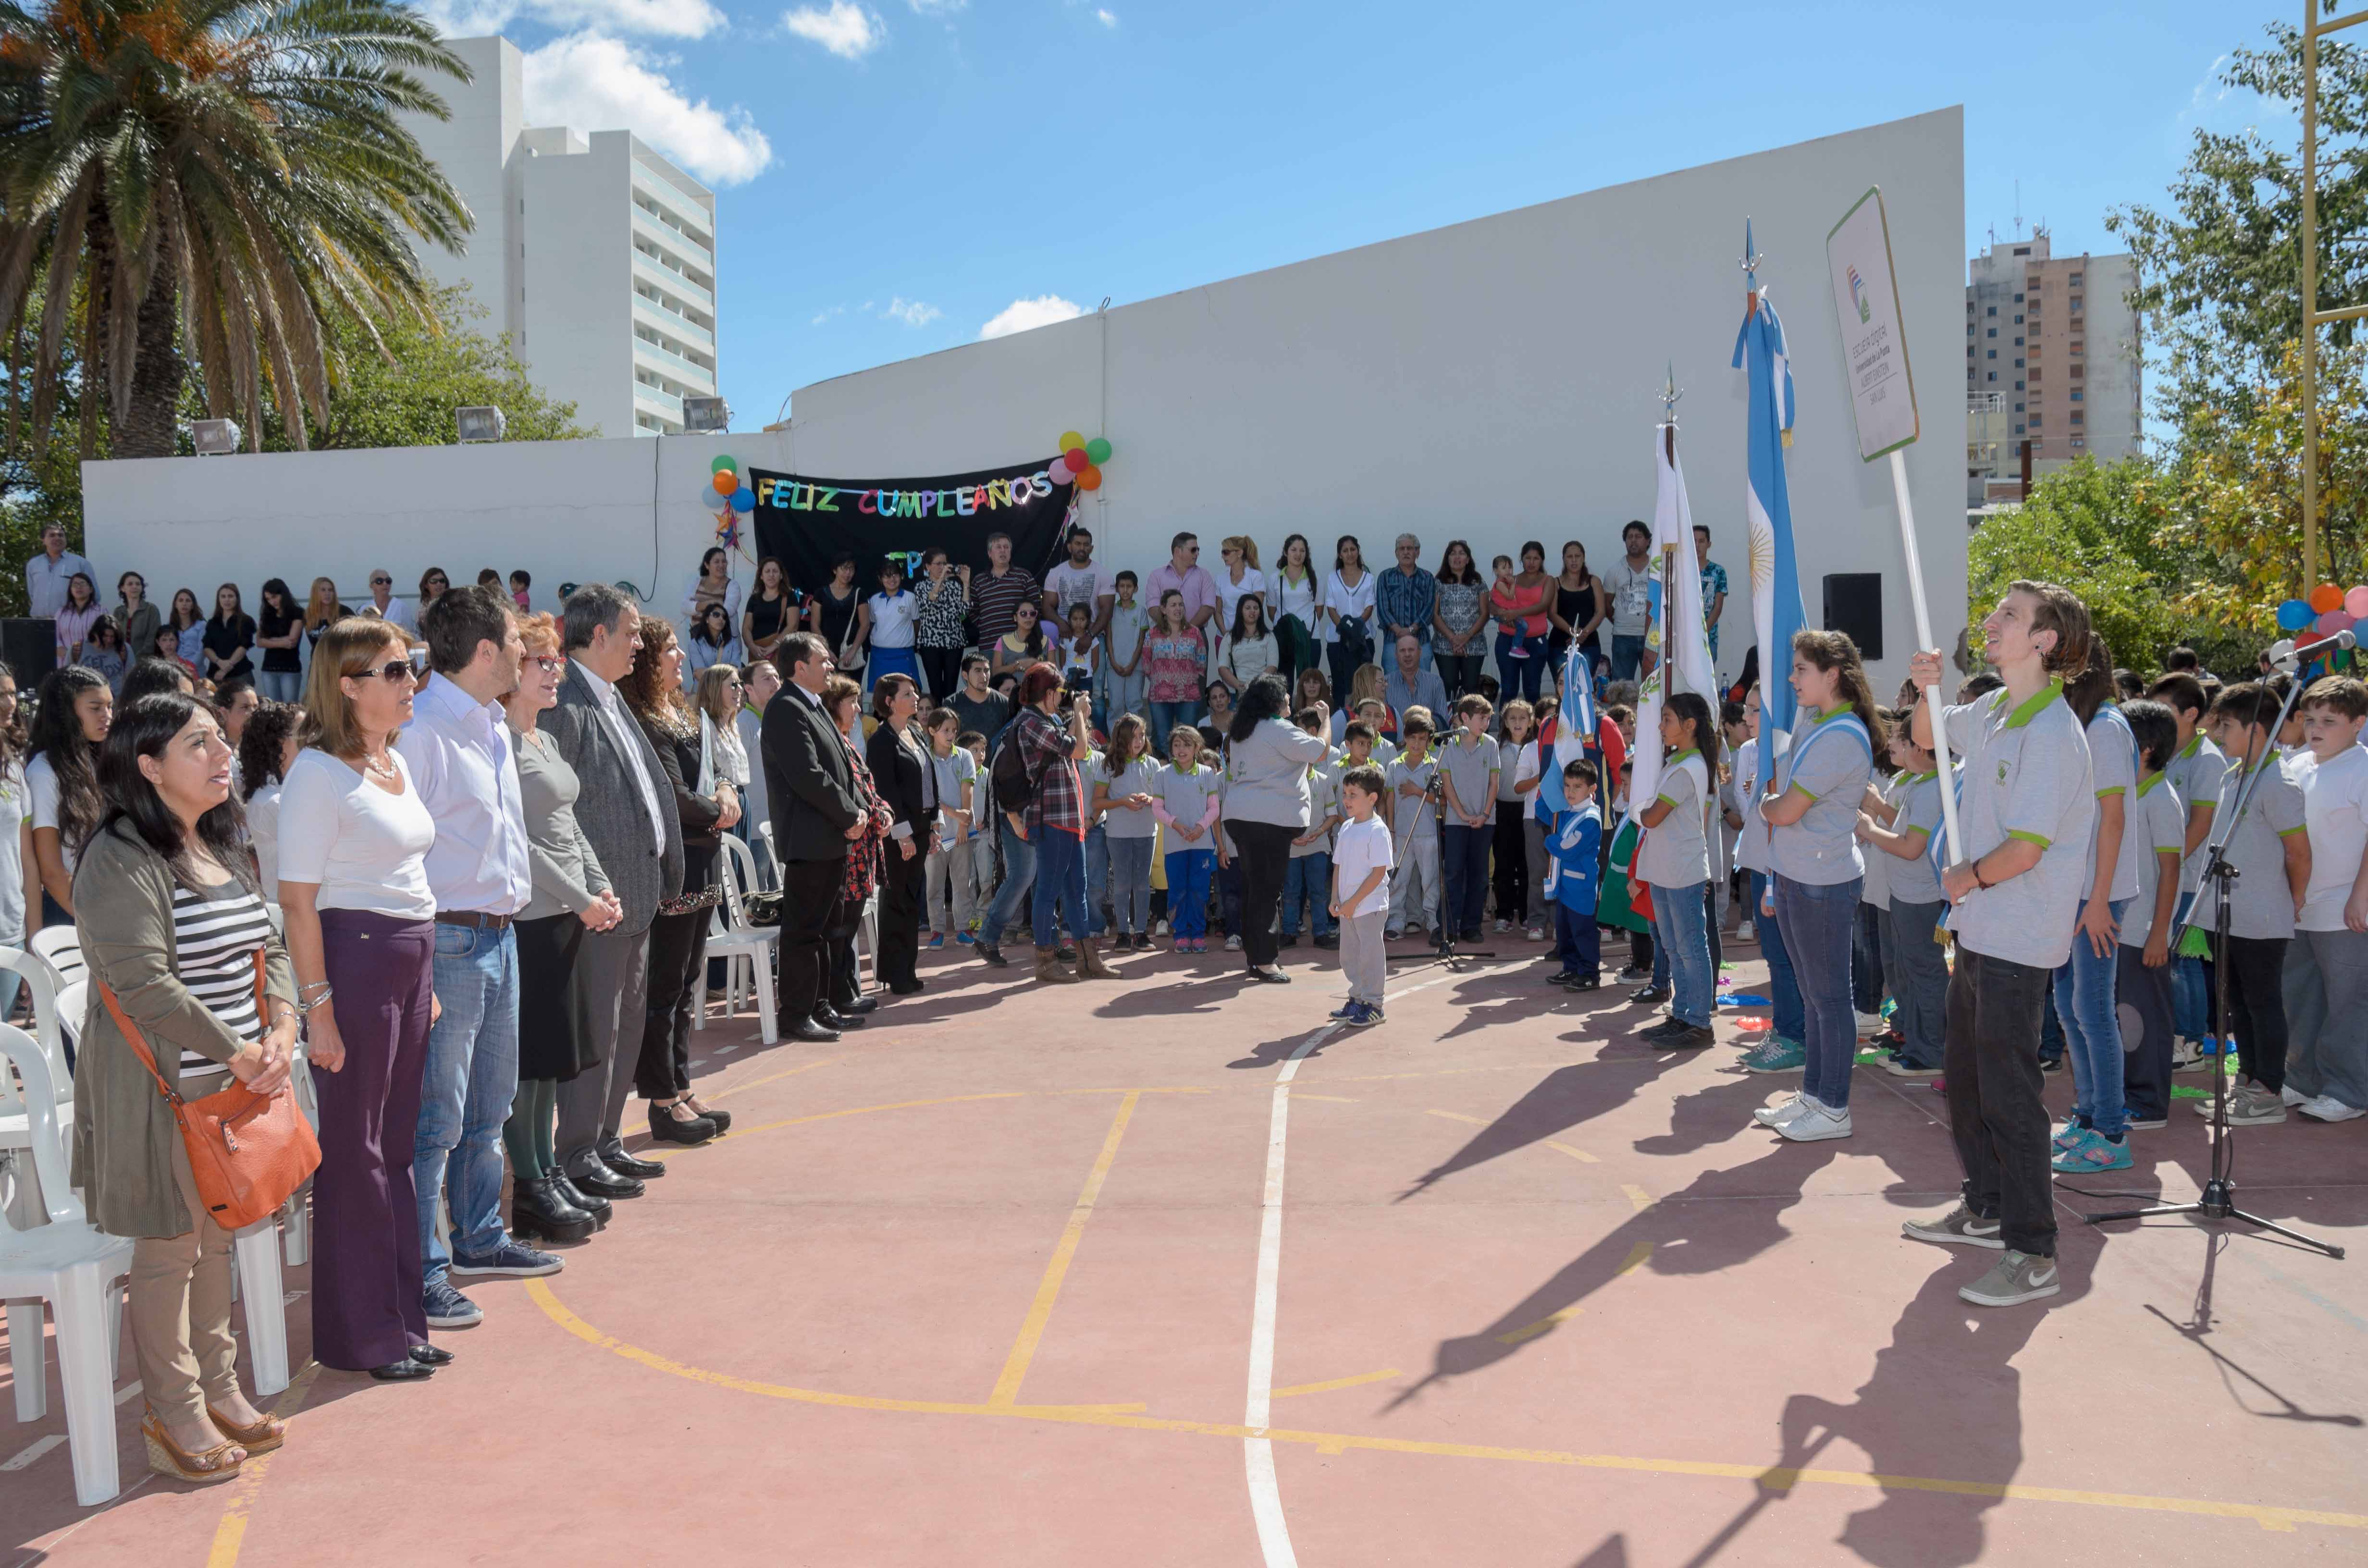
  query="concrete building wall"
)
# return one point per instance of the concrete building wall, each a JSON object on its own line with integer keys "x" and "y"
{"x": 474, "y": 148}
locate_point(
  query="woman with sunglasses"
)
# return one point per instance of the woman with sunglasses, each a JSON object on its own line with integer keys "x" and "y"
{"x": 710, "y": 643}
{"x": 354, "y": 837}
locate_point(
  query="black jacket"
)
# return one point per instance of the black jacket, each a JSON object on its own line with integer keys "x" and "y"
{"x": 899, "y": 765}
{"x": 678, "y": 759}
{"x": 809, "y": 783}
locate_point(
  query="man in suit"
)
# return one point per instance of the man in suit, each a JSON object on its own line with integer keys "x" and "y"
{"x": 810, "y": 786}
{"x": 628, "y": 816}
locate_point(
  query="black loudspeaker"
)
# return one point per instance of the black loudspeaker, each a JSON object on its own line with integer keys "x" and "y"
{"x": 29, "y": 647}
{"x": 1854, "y": 604}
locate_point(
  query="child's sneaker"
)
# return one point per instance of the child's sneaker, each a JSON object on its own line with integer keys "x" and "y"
{"x": 1160, "y": 930}
{"x": 2067, "y": 1136}
{"x": 1561, "y": 977}
{"x": 964, "y": 939}
{"x": 1365, "y": 1016}
{"x": 2094, "y": 1151}
{"x": 1345, "y": 1011}
{"x": 937, "y": 939}
{"x": 1233, "y": 944}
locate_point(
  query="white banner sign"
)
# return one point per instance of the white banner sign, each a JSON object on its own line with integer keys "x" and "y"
{"x": 1866, "y": 302}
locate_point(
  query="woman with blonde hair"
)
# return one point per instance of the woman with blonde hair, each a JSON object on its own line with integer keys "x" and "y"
{"x": 322, "y": 611}
{"x": 354, "y": 836}
{"x": 717, "y": 700}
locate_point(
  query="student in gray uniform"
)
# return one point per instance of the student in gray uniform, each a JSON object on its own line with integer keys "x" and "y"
{"x": 1674, "y": 860}
{"x": 2195, "y": 772}
{"x": 2270, "y": 852}
{"x": 2085, "y": 1002}
{"x": 1309, "y": 879}
{"x": 1903, "y": 831}
{"x": 2158, "y": 837}
{"x": 2027, "y": 811}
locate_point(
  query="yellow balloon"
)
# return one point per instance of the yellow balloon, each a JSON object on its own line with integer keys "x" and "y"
{"x": 1071, "y": 441}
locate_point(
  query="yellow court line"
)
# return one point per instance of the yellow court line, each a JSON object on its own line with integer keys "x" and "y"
{"x": 1048, "y": 1290}
{"x": 230, "y": 1535}
{"x": 1637, "y": 1196}
{"x": 1773, "y": 1477}
{"x": 1336, "y": 1099}
{"x": 774, "y": 1077}
{"x": 1581, "y": 1155}
{"x": 1383, "y": 1376}
{"x": 1161, "y": 1089}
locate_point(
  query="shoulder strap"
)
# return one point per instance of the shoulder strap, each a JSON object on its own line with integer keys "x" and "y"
{"x": 139, "y": 1042}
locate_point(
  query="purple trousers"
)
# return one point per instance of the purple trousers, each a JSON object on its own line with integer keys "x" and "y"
{"x": 367, "y": 1305}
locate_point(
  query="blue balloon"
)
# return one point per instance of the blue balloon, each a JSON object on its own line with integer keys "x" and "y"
{"x": 2293, "y": 615}
{"x": 744, "y": 499}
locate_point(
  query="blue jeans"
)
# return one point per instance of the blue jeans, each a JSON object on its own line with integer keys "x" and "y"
{"x": 1919, "y": 979}
{"x": 1060, "y": 888}
{"x": 1098, "y": 872}
{"x": 1309, "y": 877}
{"x": 279, "y": 686}
{"x": 1130, "y": 883}
{"x": 1818, "y": 922}
{"x": 1188, "y": 891}
{"x": 1019, "y": 876}
{"x": 1524, "y": 672}
{"x": 1466, "y": 875}
{"x": 1627, "y": 656}
{"x": 1166, "y": 716}
{"x": 2086, "y": 1004}
{"x": 1681, "y": 936}
{"x": 466, "y": 1093}
{"x": 1786, "y": 1016}
{"x": 2190, "y": 1007}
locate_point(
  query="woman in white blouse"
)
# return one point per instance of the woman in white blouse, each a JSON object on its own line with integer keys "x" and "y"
{"x": 361, "y": 933}
{"x": 268, "y": 748}
{"x": 1348, "y": 596}
{"x": 1291, "y": 609}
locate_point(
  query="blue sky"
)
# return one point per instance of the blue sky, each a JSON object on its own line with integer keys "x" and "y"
{"x": 897, "y": 177}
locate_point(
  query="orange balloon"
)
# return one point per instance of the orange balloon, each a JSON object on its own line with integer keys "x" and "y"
{"x": 2326, "y": 596}
{"x": 1091, "y": 479}
{"x": 726, "y": 482}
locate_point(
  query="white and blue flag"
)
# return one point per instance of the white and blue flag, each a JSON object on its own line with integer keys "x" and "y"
{"x": 1776, "y": 610}
{"x": 1574, "y": 735}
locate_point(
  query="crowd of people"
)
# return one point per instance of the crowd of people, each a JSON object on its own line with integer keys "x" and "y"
{"x": 497, "y": 875}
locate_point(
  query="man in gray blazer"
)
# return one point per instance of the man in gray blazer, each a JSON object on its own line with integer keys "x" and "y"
{"x": 628, "y": 816}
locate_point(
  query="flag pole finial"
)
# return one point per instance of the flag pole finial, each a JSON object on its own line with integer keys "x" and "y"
{"x": 1751, "y": 260}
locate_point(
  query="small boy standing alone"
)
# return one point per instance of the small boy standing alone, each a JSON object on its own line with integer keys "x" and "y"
{"x": 1360, "y": 894}
{"x": 1574, "y": 847}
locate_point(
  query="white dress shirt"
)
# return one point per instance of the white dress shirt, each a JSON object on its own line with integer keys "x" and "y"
{"x": 458, "y": 753}
{"x": 626, "y": 730}
{"x": 45, "y": 582}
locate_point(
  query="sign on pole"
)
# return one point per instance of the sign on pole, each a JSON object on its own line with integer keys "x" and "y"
{"x": 1866, "y": 302}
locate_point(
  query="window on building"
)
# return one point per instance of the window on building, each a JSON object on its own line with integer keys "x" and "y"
{"x": 2076, "y": 304}
{"x": 2080, "y": 396}
{"x": 1994, "y": 375}
{"x": 2074, "y": 280}
{"x": 1992, "y": 332}
{"x": 2037, "y": 420}
{"x": 2078, "y": 442}
{"x": 1992, "y": 310}
{"x": 2017, "y": 408}
{"x": 2018, "y": 343}
{"x": 2078, "y": 417}
{"x": 2034, "y": 377}
{"x": 2017, "y": 321}
{"x": 2078, "y": 346}
{"x": 2018, "y": 364}
{"x": 1991, "y": 354}
{"x": 2018, "y": 299}
{"x": 2023, "y": 250}
{"x": 2018, "y": 386}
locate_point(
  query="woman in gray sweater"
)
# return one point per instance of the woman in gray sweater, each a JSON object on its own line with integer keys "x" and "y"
{"x": 1266, "y": 759}
{"x": 571, "y": 895}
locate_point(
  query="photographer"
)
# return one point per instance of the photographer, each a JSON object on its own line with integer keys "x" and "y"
{"x": 1056, "y": 820}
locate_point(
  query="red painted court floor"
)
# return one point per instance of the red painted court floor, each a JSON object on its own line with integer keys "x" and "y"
{"x": 1021, "y": 1275}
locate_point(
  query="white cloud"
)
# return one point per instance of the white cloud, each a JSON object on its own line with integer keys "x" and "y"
{"x": 937, "y": 7}
{"x": 1021, "y": 315}
{"x": 912, "y": 312}
{"x": 846, "y": 29}
{"x": 1106, "y": 20}
{"x": 831, "y": 315}
{"x": 662, "y": 18}
{"x": 601, "y": 83}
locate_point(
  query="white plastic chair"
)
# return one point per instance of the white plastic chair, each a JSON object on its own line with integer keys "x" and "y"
{"x": 62, "y": 946}
{"x": 732, "y": 939}
{"x": 74, "y": 1268}
{"x": 771, "y": 854}
{"x": 867, "y": 939}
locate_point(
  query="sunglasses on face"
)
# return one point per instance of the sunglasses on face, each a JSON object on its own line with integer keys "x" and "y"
{"x": 381, "y": 581}
{"x": 394, "y": 671}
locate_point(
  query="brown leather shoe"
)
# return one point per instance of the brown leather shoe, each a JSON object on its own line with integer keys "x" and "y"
{"x": 260, "y": 1439}
{"x": 1048, "y": 969}
{"x": 1089, "y": 962}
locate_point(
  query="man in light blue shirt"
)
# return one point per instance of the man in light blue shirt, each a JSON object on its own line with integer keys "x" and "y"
{"x": 1411, "y": 683}
{"x": 457, "y": 749}
{"x": 47, "y": 573}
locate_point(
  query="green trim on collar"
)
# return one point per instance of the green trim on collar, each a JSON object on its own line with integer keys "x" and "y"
{"x": 1680, "y": 756}
{"x": 2052, "y": 692}
{"x": 2194, "y": 743}
{"x": 2146, "y": 784}
{"x": 1839, "y": 711}
{"x": 1913, "y": 780}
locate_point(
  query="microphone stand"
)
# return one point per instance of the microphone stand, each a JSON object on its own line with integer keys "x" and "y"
{"x": 1444, "y": 928}
{"x": 2218, "y": 1198}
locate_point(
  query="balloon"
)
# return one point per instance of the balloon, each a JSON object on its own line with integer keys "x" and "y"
{"x": 2293, "y": 616}
{"x": 1071, "y": 441}
{"x": 2325, "y": 597}
{"x": 726, "y": 482}
{"x": 744, "y": 499}
{"x": 1061, "y": 473}
{"x": 720, "y": 464}
{"x": 1097, "y": 451}
{"x": 2355, "y": 603}
{"x": 709, "y": 501}
{"x": 1091, "y": 479}
{"x": 2282, "y": 649}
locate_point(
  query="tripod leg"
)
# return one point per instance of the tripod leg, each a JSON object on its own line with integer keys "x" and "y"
{"x": 2330, "y": 1249}
{"x": 2146, "y": 1213}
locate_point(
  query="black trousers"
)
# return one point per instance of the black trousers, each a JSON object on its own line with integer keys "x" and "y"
{"x": 1262, "y": 850}
{"x": 677, "y": 975}
{"x": 809, "y": 903}
{"x": 1511, "y": 849}
{"x": 943, "y": 666}
{"x": 2253, "y": 968}
{"x": 1996, "y": 1114}
{"x": 2144, "y": 995}
{"x": 902, "y": 885}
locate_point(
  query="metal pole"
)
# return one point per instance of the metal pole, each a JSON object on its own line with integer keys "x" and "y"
{"x": 1924, "y": 640}
{"x": 2309, "y": 295}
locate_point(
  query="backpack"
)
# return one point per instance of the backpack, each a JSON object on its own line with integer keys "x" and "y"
{"x": 1013, "y": 787}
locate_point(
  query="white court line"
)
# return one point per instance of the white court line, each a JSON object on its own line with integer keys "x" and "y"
{"x": 1258, "y": 1453}
{"x": 28, "y": 1456}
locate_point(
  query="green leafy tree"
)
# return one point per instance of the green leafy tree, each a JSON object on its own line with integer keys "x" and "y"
{"x": 226, "y": 179}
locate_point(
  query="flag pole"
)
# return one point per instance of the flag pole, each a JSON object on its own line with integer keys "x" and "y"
{"x": 1924, "y": 640}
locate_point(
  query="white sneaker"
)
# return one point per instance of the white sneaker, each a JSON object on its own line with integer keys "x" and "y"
{"x": 2326, "y": 1107}
{"x": 1815, "y": 1122}
{"x": 2184, "y": 1053}
{"x": 1160, "y": 930}
{"x": 1782, "y": 1111}
{"x": 1233, "y": 944}
{"x": 2292, "y": 1095}
{"x": 1744, "y": 933}
{"x": 1870, "y": 1025}
{"x": 1537, "y": 933}
{"x": 1503, "y": 927}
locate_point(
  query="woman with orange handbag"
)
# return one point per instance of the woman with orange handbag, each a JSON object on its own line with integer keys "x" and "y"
{"x": 189, "y": 977}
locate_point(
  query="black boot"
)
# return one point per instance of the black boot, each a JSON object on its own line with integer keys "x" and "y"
{"x": 598, "y": 1208}
{"x": 537, "y": 1212}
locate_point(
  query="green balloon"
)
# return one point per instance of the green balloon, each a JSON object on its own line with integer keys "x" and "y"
{"x": 720, "y": 464}
{"x": 1097, "y": 451}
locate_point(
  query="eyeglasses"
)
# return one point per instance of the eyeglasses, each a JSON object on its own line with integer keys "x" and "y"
{"x": 549, "y": 665}
{"x": 394, "y": 671}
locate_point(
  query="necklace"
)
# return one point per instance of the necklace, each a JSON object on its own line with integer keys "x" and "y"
{"x": 381, "y": 767}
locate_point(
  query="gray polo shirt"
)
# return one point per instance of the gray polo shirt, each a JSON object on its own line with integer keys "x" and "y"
{"x": 1918, "y": 798}
{"x": 1409, "y": 812}
{"x": 1830, "y": 761}
{"x": 2260, "y": 906}
{"x": 2195, "y": 772}
{"x": 1322, "y": 805}
{"x": 1675, "y": 854}
{"x": 1471, "y": 769}
{"x": 2113, "y": 771}
{"x": 2158, "y": 822}
{"x": 2026, "y": 775}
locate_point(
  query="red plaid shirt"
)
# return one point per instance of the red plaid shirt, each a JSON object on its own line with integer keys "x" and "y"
{"x": 1044, "y": 747}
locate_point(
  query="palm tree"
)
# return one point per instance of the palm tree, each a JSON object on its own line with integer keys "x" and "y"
{"x": 222, "y": 179}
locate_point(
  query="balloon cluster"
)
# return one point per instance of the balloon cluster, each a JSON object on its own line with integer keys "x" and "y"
{"x": 1080, "y": 463}
{"x": 724, "y": 490}
{"x": 2330, "y": 609}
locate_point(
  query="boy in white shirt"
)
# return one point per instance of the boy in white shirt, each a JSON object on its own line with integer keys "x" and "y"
{"x": 2327, "y": 969}
{"x": 1360, "y": 894}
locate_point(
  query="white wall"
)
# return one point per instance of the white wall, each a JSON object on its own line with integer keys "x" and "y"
{"x": 1493, "y": 380}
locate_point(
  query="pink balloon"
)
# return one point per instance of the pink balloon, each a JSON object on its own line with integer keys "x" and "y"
{"x": 2355, "y": 603}
{"x": 1059, "y": 472}
{"x": 2330, "y": 622}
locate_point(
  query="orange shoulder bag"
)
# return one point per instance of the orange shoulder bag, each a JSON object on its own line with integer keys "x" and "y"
{"x": 249, "y": 1152}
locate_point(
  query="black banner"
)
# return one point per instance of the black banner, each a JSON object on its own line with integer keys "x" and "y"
{"x": 808, "y": 523}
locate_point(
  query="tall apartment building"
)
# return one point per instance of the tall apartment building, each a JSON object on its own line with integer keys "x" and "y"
{"x": 593, "y": 254}
{"x": 2051, "y": 358}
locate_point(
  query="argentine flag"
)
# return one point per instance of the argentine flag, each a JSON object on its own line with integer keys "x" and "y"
{"x": 1575, "y": 727}
{"x": 1776, "y": 612}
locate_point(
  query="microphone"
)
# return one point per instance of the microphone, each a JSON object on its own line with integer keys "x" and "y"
{"x": 2285, "y": 654}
